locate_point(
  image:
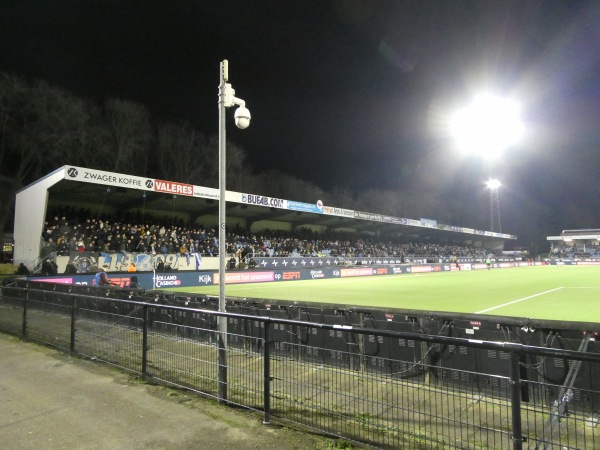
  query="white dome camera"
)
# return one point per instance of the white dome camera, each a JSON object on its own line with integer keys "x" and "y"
{"x": 242, "y": 117}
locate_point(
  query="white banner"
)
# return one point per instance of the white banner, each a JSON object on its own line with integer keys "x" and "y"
{"x": 108, "y": 178}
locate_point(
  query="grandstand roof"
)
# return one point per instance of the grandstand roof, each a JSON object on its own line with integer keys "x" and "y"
{"x": 103, "y": 191}
{"x": 107, "y": 192}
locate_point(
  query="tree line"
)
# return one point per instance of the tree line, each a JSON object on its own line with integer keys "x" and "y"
{"x": 43, "y": 127}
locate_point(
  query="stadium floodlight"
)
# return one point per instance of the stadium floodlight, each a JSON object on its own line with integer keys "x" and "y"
{"x": 493, "y": 184}
{"x": 227, "y": 99}
{"x": 487, "y": 126}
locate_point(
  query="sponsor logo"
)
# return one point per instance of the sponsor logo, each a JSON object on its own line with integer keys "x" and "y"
{"x": 166, "y": 280}
{"x": 317, "y": 274}
{"x": 356, "y": 272}
{"x": 149, "y": 184}
{"x": 367, "y": 216}
{"x": 381, "y": 271}
{"x": 301, "y": 206}
{"x": 114, "y": 179}
{"x": 420, "y": 269}
{"x": 241, "y": 277}
{"x": 205, "y": 279}
{"x": 475, "y": 323}
{"x": 335, "y": 273}
{"x": 291, "y": 276}
{"x": 72, "y": 172}
{"x": 390, "y": 219}
{"x": 118, "y": 281}
{"x": 212, "y": 194}
{"x": 83, "y": 261}
{"x": 397, "y": 270}
{"x": 261, "y": 200}
{"x": 320, "y": 204}
{"x": 173, "y": 187}
{"x": 338, "y": 211}
{"x": 389, "y": 317}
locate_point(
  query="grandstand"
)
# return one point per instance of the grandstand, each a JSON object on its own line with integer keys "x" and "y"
{"x": 576, "y": 244}
{"x": 90, "y": 199}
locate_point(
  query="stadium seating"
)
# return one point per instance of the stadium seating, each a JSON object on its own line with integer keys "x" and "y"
{"x": 67, "y": 230}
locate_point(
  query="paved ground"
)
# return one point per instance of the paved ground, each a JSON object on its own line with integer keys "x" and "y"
{"x": 49, "y": 401}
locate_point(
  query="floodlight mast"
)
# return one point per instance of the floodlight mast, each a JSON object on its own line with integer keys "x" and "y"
{"x": 227, "y": 99}
{"x": 493, "y": 185}
{"x": 488, "y": 126}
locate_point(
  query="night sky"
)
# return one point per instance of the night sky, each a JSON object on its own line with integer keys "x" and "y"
{"x": 347, "y": 93}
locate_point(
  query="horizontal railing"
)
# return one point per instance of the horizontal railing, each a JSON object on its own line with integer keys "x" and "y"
{"x": 324, "y": 377}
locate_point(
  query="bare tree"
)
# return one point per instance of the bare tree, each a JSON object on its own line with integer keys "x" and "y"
{"x": 41, "y": 126}
{"x": 179, "y": 153}
{"x": 278, "y": 184}
{"x": 18, "y": 157}
{"x": 238, "y": 170}
{"x": 44, "y": 127}
{"x": 341, "y": 197}
{"x": 131, "y": 133}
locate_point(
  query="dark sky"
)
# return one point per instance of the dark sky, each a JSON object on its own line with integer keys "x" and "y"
{"x": 353, "y": 93}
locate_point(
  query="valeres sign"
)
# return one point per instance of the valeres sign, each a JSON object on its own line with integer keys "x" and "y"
{"x": 172, "y": 187}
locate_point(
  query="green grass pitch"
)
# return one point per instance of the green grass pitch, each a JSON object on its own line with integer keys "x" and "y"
{"x": 569, "y": 293}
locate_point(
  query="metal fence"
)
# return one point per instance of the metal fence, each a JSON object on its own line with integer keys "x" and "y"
{"x": 323, "y": 377}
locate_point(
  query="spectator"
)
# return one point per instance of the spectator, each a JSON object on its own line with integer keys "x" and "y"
{"x": 70, "y": 269}
{"x": 48, "y": 268}
{"x": 101, "y": 278}
{"x": 134, "y": 282}
{"x": 109, "y": 235}
{"x": 22, "y": 270}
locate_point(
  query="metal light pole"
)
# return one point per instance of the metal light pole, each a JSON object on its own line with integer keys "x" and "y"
{"x": 493, "y": 186}
{"x": 242, "y": 120}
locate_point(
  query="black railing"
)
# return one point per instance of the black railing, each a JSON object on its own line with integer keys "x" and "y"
{"x": 327, "y": 377}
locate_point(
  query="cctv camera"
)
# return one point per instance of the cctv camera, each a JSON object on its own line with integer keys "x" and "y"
{"x": 242, "y": 117}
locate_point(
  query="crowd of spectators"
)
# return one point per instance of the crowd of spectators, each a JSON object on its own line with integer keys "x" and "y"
{"x": 576, "y": 251}
{"x": 67, "y": 230}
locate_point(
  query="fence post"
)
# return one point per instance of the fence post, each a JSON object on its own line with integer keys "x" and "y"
{"x": 144, "y": 341}
{"x": 515, "y": 381}
{"x": 73, "y": 318}
{"x": 267, "y": 373}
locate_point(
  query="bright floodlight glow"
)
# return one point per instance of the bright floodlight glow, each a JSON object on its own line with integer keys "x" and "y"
{"x": 493, "y": 184}
{"x": 488, "y": 126}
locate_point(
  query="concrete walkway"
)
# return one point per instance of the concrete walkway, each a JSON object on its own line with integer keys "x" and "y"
{"x": 49, "y": 400}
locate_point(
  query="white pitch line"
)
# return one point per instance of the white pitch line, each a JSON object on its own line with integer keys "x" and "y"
{"x": 517, "y": 301}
